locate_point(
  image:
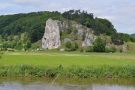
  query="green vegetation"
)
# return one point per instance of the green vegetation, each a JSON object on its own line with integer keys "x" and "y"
{"x": 99, "y": 45}
{"x": 70, "y": 47}
{"x": 24, "y": 31}
{"x": 50, "y": 64}
{"x": 113, "y": 49}
{"x": 32, "y": 23}
{"x": 133, "y": 35}
{"x": 124, "y": 71}
{"x": 99, "y": 25}
{"x": 55, "y": 58}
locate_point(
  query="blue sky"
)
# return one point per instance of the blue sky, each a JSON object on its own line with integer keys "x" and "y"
{"x": 120, "y": 12}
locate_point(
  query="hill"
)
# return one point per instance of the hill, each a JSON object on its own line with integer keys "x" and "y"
{"x": 77, "y": 26}
{"x": 133, "y": 35}
{"x": 33, "y": 23}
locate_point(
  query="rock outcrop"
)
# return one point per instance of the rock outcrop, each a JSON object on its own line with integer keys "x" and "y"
{"x": 51, "y": 38}
{"x": 89, "y": 39}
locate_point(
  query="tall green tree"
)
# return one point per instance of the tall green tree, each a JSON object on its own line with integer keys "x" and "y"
{"x": 76, "y": 46}
{"x": 99, "y": 45}
{"x": 28, "y": 45}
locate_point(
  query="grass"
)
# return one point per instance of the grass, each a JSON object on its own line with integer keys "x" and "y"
{"x": 131, "y": 47}
{"x": 124, "y": 71}
{"x": 50, "y": 63}
{"x": 51, "y": 58}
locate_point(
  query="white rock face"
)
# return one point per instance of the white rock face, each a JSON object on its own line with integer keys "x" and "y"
{"x": 51, "y": 38}
{"x": 89, "y": 39}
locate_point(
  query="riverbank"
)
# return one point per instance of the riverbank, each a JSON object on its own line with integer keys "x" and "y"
{"x": 109, "y": 71}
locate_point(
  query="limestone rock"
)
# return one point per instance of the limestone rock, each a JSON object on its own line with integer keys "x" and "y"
{"x": 89, "y": 39}
{"x": 62, "y": 49}
{"x": 51, "y": 38}
{"x": 66, "y": 39}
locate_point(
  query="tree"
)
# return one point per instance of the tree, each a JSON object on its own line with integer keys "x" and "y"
{"x": 89, "y": 49}
{"x": 83, "y": 36}
{"x": 113, "y": 49}
{"x": 81, "y": 50}
{"x": 5, "y": 37}
{"x": 28, "y": 44}
{"x": 19, "y": 35}
{"x": 68, "y": 44}
{"x": 13, "y": 44}
{"x": 25, "y": 38}
{"x": 19, "y": 45}
{"x": 99, "y": 45}
{"x": 16, "y": 39}
{"x": 76, "y": 46}
{"x": 11, "y": 38}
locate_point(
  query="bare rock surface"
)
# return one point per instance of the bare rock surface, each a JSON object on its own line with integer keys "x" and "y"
{"x": 51, "y": 38}
{"x": 89, "y": 39}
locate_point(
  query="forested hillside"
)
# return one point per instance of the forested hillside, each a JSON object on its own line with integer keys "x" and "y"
{"x": 34, "y": 24}
{"x": 99, "y": 25}
{"x": 133, "y": 35}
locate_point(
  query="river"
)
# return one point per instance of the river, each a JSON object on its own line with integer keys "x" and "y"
{"x": 27, "y": 83}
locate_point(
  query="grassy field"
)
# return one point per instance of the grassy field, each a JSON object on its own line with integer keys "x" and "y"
{"x": 73, "y": 64}
{"x": 51, "y": 58}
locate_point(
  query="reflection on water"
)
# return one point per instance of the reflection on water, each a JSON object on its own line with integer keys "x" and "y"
{"x": 24, "y": 83}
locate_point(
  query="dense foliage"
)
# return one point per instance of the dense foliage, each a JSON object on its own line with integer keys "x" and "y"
{"x": 33, "y": 23}
{"x": 23, "y": 70}
{"x": 99, "y": 45}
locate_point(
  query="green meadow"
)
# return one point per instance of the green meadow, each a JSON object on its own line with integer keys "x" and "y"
{"x": 66, "y": 58}
{"x": 67, "y": 64}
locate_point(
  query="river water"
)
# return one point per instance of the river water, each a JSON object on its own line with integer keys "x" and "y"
{"x": 26, "y": 83}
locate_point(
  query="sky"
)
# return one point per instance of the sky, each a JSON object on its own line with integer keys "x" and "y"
{"x": 120, "y": 12}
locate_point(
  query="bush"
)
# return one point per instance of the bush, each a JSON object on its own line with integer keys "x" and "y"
{"x": 28, "y": 44}
{"x": 128, "y": 47}
{"x": 81, "y": 50}
{"x": 107, "y": 50}
{"x": 83, "y": 36}
{"x": 89, "y": 49}
{"x": 5, "y": 45}
{"x": 3, "y": 49}
{"x": 13, "y": 45}
{"x": 19, "y": 46}
{"x": 68, "y": 44}
{"x": 99, "y": 45}
{"x": 76, "y": 46}
{"x": 121, "y": 50}
{"x": 113, "y": 49}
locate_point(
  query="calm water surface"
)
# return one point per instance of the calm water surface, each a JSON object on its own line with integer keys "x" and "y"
{"x": 24, "y": 83}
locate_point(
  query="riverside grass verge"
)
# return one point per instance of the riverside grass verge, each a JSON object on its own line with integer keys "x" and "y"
{"x": 24, "y": 70}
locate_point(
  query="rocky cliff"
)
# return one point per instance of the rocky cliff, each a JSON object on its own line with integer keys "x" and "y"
{"x": 51, "y": 38}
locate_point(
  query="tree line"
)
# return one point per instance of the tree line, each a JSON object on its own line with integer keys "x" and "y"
{"x": 33, "y": 24}
{"x": 99, "y": 25}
